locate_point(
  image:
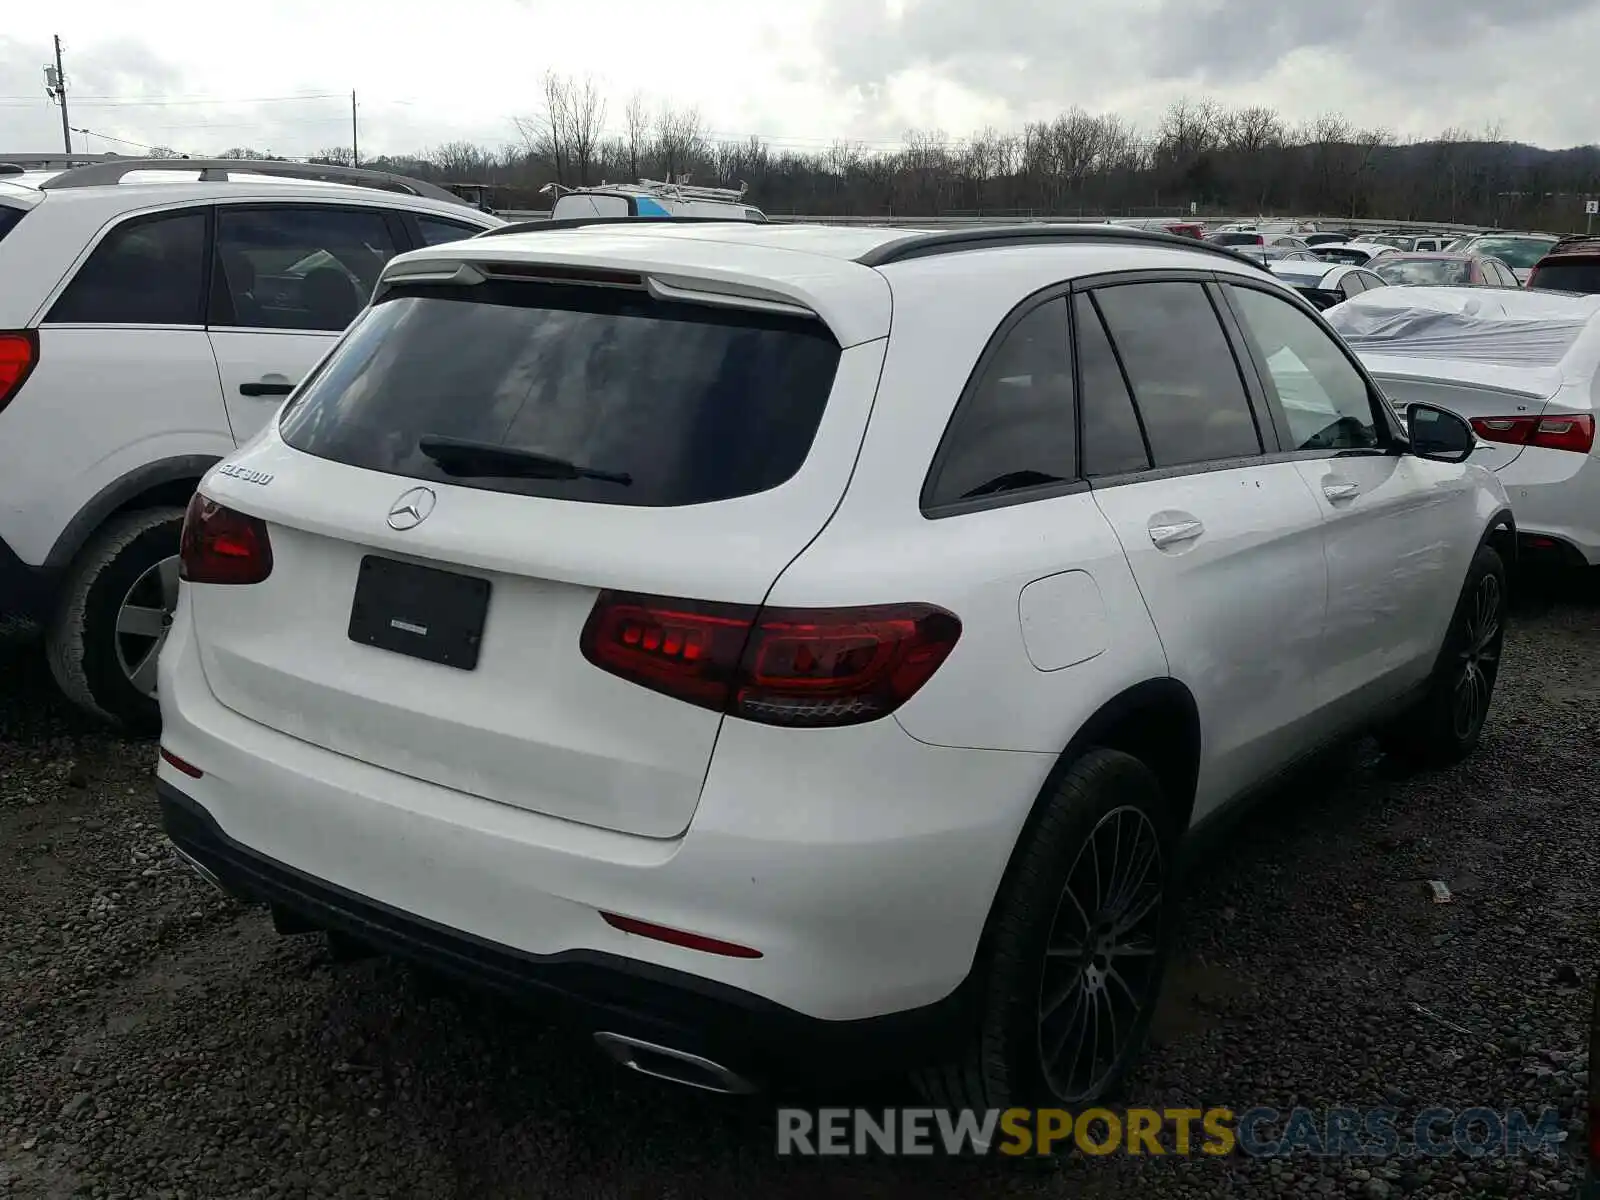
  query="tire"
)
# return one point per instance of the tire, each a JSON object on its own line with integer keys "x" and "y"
{"x": 1105, "y": 798}
{"x": 90, "y": 659}
{"x": 1433, "y": 732}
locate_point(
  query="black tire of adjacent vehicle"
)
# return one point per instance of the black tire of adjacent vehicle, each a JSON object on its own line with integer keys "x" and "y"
{"x": 1425, "y": 735}
{"x": 81, "y": 639}
{"x": 1001, "y": 1065}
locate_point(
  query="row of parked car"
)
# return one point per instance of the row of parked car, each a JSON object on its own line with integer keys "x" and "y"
{"x": 1538, "y": 260}
{"x": 630, "y": 612}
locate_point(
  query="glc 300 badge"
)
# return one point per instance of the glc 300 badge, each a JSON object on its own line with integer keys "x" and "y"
{"x": 234, "y": 471}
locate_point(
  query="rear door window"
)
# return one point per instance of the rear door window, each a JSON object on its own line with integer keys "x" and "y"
{"x": 669, "y": 404}
{"x": 1014, "y": 428}
{"x": 301, "y": 267}
{"x": 146, "y": 271}
{"x": 1190, "y": 395}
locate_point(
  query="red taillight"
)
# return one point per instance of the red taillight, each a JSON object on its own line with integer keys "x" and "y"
{"x": 778, "y": 666}
{"x": 222, "y": 546}
{"x": 1573, "y": 432}
{"x": 19, "y": 354}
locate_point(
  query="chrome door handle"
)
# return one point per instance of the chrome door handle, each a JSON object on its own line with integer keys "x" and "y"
{"x": 1341, "y": 491}
{"x": 1176, "y": 531}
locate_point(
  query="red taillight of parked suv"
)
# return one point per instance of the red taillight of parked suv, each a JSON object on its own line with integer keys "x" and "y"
{"x": 776, "y": 666}
{"x": 219, "y": 545}
{"x": 19, "y": 354}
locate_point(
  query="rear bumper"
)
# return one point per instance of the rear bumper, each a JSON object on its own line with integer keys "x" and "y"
{"x": 859, "y": 862}
{"x": 1555, "y": 495}
{"x": 760, "y": 1040}
{"x": 26, "y": 593}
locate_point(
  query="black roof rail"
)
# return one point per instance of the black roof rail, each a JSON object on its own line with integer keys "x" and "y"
{"x": 218, "y": 169}
{"x": 952, "y": 241}
{"x": 59, "y": 160}
{"x": 580, "y": 222}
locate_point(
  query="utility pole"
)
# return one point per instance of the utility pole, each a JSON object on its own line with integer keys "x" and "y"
{"x": 355, "y": 140}
{"x": 55, "y": 86}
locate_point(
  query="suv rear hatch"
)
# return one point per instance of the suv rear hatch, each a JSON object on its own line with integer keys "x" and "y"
{"x": 569, "y": 439}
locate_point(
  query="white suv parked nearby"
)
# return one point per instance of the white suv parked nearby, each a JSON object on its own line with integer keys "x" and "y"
{"x": 154, "y": 315}
{"x": 636, "y": 615}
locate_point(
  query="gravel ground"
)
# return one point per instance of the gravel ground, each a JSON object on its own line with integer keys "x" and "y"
{"x": 156, "y": 1040}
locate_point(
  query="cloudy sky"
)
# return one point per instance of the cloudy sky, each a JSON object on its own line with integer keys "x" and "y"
{"x": 180, "y": 73}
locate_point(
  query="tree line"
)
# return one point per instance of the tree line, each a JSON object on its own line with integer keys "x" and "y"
{"x": 1201, "y": 156}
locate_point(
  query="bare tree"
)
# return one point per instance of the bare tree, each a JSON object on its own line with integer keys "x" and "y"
{"x": 460, "y": 161}
{"x": 545, "y": 136}
{"x": 636, "y": 118}
{"x": 680, "y": 140}
{"x": 1243, "y": 161}
{"x": 586, "y": 119}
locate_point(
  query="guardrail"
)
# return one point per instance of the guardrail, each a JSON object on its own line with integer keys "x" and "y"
{"x": 963, "y": 222}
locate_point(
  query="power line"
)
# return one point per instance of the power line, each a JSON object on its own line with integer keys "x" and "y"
{"x": 106, "y": 137}
{"x": 212, "y": 101}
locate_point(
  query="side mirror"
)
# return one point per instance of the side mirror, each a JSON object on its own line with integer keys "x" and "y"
{"x": 1439, "y": 434}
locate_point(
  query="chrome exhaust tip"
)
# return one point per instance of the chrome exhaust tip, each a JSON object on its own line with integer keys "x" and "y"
{"x": 200, "y": 869}
{"x": 675, "y": 1066}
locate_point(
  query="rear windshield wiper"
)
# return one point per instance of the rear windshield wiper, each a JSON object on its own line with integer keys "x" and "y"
{"x": 465, "y": 458}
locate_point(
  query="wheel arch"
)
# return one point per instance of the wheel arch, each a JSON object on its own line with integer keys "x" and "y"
{"x": 1156, "y": 721}
{"x": 163, "y": 482}
{"x": 1501, "y": 533}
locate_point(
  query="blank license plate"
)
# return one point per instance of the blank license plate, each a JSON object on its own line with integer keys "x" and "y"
{"x": 419, "y": 611}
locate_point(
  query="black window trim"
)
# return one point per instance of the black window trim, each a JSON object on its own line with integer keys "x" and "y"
{"x": 399, "y": 234}
{"x": 1127, "y": 384}
{"x": 204, "y": 207}
{"x": 1024, "y": 308}
{"x": 1391, "y": 439}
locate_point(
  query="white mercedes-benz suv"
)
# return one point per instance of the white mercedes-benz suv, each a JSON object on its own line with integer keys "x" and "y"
{"x": 802, "y": 646}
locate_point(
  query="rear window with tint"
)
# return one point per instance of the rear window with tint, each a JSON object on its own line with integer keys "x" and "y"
{"x": 1422, "y": 271}
{"x": 1579, "y": 275}
{"x": 1517, "y": 253}
{"x": 9, "y": 218}
{"x": 696, "y": 404}
{"x": 1348, "y": 258}
{"x": 1236, "y": 239}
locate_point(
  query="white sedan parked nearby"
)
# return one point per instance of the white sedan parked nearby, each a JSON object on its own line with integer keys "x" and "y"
{"x": 1523, "y": 367}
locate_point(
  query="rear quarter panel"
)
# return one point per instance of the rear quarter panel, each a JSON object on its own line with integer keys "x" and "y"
{"x": 880, "y": 548}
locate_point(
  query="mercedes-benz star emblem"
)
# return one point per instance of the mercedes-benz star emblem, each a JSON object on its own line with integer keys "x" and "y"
{"x": 412, "y": 508}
